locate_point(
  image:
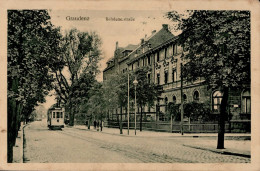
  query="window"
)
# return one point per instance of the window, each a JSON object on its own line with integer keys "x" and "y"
{"x": 148, "y": 60}
{"x": 174, "y": 75}
{"x": 61, "y": 115}
{"x": 158, "y": 56}
{"x": 53, "y": 115}
{"x": 196, "y": 96}
{"x": 132, "y": 67}
{"x": 166, "y": 77}
{"x": 158, "y": 79}
{"x": 58, "y": 114}
{"x": 174, "y": 99}
{"x": 216, "y": 101}
{"x": 143, "y": 62}
{"x": 138, "y": 64}
{"x": 246, "y": 102}
{"x": 184, "y": 98}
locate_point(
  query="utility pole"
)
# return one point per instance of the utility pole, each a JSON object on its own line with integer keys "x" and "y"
{"x": 128, "y": 108}
{"x": 181, "y": 101}
{"x": 135, "y": 83}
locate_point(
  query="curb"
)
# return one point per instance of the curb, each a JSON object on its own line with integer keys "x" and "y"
{"x": 22, "y": 149}
{"x": 220, "y": 152}
{"x": 227, "y": 137}
{"x": 114, "y": 133}
{"x": 101, "y": 132}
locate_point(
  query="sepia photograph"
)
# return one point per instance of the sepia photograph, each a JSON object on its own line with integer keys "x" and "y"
{"x": 129, "y": 86}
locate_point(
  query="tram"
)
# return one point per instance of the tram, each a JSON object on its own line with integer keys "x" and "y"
{"x": 55, "y": 117}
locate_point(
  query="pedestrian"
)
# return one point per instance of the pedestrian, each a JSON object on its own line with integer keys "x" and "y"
{"x": 95, "y": 124}
{"x": 101, "y": 125}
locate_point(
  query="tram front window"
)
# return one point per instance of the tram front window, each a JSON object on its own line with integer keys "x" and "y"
{"x": 58, "y": 114}
{"x": 61, "y": 116}
{"x": 53, "y": 115}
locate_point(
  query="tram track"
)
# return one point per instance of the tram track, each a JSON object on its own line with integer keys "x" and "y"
{"x": 138, "y": 154}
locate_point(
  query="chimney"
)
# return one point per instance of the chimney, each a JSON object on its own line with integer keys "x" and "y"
{"x": 116, "y": 45}
{"x": 142, "y": 41}
{"x": 165, "y": 26}
{"x": 154, "y": 31}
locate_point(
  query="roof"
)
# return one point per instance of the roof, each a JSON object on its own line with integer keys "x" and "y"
{"x": 149, "y": 43}
{"x": 160, "y": 37}
{"x": 153, "y": 41}
{"x": 130, "y": 47}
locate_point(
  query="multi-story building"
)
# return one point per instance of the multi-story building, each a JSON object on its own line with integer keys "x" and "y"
{"x": 162, "y": 53}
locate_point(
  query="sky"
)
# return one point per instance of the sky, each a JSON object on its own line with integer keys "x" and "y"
{"x": 125, "y": 32}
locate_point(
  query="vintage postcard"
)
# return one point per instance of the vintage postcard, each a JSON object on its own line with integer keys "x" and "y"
{"x": 129, "y": 85}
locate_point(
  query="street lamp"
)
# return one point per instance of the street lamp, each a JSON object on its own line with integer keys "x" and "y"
{"x": 135, "y": 82}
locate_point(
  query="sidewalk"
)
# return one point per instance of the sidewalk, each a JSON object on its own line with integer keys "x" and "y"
{"x": 145, "y": 133}
{"x": 238, "y": 144}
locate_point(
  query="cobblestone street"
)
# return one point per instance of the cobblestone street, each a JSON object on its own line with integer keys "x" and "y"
{"x": 78, "y": 145}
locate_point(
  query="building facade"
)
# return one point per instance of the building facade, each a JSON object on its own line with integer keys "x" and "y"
{"x": 162, "y": 53}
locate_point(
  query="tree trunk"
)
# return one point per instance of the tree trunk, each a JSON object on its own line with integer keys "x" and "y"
{"x": 120, "y": 125}
{"x": 89, "y": 124}
{"x": 101, "y": 125}
{"x": 71, "y": 113}
{"x": 141, "y": 118}
{"x": 12, "y": 121}
{"x": 10, "y": 130}
{"x": 71, "y": 119}
{"x": 222, "y": 118}
{"x": 118, "y": 122}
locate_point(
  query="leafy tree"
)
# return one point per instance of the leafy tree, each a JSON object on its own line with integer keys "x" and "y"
{"x": 115, "y": 91}
{"x": 146, "y": 91}
{"x": 97, "y": 105}
{"x": 80, "y": 55}
{"x": 82, "y": 89}
{"x": 218, "y": 49}
{"x": 196, "y": 111}
{"x": 32, "y": 43}
{"x": 174, "y": 110}
{"x": 193, "y": 110}
{"x": 115, "y": 94}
